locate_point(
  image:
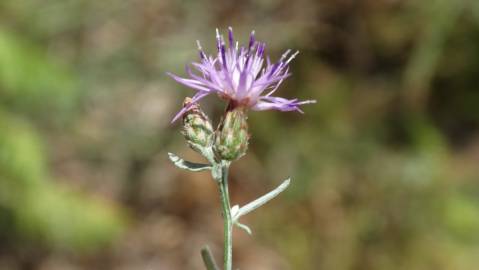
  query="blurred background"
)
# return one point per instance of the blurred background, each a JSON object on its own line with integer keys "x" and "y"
{"x": 384, "y": 166}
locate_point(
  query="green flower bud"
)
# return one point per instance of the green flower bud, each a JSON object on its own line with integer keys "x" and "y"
{"x": 197, "y": 127}
{"x": 231, "y": 141}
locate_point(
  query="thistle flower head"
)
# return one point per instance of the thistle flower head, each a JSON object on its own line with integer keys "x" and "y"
{"x": 241, "y": 75}
{"x": 197, "y": 127}
{"x": 231, "y": 140}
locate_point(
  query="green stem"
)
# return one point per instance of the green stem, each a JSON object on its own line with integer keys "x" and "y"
{"x": 228, "y": 221}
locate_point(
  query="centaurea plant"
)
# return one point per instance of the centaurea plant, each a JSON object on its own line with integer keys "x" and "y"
{"x": 246, "y": 79}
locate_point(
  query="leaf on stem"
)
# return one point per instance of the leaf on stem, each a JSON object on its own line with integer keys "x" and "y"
{"x": 244, "y": 227}
{"x": 208, "y": 259}
{"x": 261, "y": 200}
{"x": 187, "y": 165}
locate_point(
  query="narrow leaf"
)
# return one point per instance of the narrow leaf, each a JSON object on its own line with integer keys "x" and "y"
{"x": 244, "y": 227}
{"x": 261, "y": 200}
{"x": 187, "y": 165}
{"x": 208, "y": 259}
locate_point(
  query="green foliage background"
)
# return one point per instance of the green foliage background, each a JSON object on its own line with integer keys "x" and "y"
{"x": 34, "y": 89}
{"x": 384, "y": 166}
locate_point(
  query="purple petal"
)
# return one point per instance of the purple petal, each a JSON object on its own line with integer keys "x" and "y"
{"x": 203, "y": 80}
{"x": 261, "y": 50}
{"x": 218, "y": 39}
{"x": 202, "y": 53}
{"x": 190, "y": 83}
{"x": 251, "y": 40}
{"x": 280, "y": 104}
{"x": 223, "y": 56}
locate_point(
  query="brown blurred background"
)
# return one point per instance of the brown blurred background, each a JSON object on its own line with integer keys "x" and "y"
{"x": 384, "y": 166}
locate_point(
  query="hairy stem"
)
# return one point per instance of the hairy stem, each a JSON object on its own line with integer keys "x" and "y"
{"x": 228, "y": 221}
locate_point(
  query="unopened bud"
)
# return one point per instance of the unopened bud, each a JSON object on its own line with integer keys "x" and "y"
{"x": 231, "y": 141}
{"x": 197, "y": 127}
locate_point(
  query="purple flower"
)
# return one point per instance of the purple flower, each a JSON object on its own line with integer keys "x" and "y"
{"x": 241, "y": 76}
